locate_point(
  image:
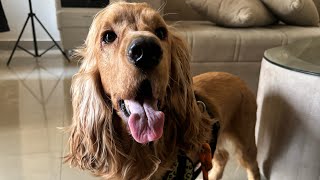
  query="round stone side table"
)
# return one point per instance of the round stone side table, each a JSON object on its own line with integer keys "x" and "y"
{"x": 288, "y": 116}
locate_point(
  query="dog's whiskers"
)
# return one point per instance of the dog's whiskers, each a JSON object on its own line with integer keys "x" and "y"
{"x": 167, "y": 14}
{"x": 163, "y": 5}
{"x": 176, "y": 23}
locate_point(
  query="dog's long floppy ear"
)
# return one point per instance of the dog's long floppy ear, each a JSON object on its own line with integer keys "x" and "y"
{"x": 91, "y": 138}
{"x": 182, "y": 98}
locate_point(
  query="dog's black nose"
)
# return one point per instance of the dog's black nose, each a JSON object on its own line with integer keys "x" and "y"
{"x": 145, "y": 52}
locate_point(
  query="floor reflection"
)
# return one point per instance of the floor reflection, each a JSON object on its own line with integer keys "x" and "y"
{"x": 34, "y": 102}
{"x": 41, "y": 83}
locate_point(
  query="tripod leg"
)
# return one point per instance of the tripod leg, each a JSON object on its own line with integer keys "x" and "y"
{"x": 35, "y": 44}
{"x": 64, "y": 54}
{"x": 16, "y": 45}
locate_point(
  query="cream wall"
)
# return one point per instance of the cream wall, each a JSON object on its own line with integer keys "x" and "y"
{"x": 16, "y": 12}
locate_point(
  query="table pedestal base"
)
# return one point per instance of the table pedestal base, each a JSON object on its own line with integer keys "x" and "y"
{"x": 288, "y": 124}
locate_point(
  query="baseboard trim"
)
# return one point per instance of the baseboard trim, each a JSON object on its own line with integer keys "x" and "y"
{"x": 42, "y": 45}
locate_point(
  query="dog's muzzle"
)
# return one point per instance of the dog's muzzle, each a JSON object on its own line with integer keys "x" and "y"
{"x": 144, "y": 52}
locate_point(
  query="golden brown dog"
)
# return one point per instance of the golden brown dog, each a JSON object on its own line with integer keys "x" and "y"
{"x": 134, "y": 106}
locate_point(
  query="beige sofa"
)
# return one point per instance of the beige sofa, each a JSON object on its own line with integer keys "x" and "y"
{"x": 235, "y": 50}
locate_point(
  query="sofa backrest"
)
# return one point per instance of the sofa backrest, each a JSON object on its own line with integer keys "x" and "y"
{"x": 178, "y": 10}
{"x": 156, "y": 4}
{"x": 174, "y": 10}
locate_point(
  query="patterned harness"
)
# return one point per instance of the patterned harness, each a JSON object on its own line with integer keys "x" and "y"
{"x": 184, "y": 167}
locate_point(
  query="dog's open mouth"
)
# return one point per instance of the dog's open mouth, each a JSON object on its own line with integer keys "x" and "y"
{"x": 145, "y": 121}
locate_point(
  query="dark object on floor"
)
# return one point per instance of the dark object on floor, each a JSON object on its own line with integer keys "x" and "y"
{"x": 3, "y": 20}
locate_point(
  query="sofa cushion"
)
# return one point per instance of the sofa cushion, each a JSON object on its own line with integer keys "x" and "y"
{"x": 294, "y": 12}
{"x": 210, "y": 43}
{"x": 231, "y": 13}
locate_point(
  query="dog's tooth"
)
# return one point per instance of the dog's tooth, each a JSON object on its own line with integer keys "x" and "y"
{"x": 127, "y": 107}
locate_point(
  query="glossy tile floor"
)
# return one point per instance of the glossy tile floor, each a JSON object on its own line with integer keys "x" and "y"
{"x": 34, "y": 105}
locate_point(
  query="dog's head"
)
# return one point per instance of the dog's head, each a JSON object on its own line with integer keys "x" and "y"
{"x": 133, "y": 59}
{"x": 135, "y": 75}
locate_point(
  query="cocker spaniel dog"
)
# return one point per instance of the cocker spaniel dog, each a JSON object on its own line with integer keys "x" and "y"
{"x": 135, "y": 104}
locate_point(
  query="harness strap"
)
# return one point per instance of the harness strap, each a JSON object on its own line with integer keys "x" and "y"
{"x": 184, "y": 168}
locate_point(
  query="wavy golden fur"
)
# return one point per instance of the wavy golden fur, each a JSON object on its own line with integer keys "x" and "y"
{"x": 100, "y": 140}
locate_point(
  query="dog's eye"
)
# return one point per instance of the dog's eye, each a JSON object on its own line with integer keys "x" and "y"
{"x": 109, "y": 37}
{"x": 161, "y": 33}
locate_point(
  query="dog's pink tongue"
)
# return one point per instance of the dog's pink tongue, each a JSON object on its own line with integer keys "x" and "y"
{"x": 145, "y": 122}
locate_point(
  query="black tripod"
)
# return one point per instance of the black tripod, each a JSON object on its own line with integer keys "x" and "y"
{"x": 31, "y": 16}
